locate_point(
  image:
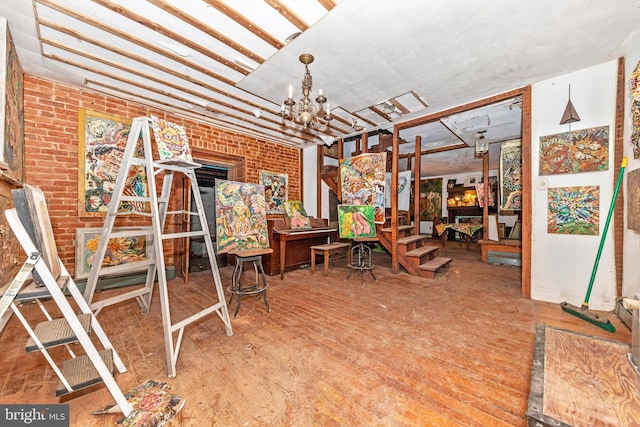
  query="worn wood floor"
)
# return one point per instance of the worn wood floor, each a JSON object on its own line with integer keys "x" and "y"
{"x": 399, "y": 351}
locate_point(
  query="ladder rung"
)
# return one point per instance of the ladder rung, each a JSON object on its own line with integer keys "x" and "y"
{"x": 138, "y": 161}
{"x": 56, "y": 332}
{"x": 80, "y": 372}
{"x": 183, "y": 234}
{"x": 134, "y": 199}
{"x": 126, "y": 268}
{"x": 138, "y": 231}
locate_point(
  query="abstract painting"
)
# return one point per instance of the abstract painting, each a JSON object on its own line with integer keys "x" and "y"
{"x": 430, "y": 199}
{"x": 10, "y": 250}
{"x": 634, "y": 84}
{"x": 356, "y": 221}
{"x": 633, "y": 200}
{"x": 276, "y": 187}
{"x": 102, "y": 140}
{"x": 241, "y": 216}
{"x": 297, "y": 214}
{"x": 11, "y": 108}
{"x": 120, "y": 250}
{"x": 171, "y": 140}
{"x": 404, "y": 190}
{"x": 362, "y": 182}
{"x": 574, "y": 210}
{"x": 585, "y": 150}
{"x": 511, "y": 176}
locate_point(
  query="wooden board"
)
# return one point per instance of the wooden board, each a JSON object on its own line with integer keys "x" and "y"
{"x": 580, "y": 380}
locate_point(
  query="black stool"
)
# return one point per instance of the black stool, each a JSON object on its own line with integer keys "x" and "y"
{"x": 260, "y": 286}
{"x": 361, "y": 257}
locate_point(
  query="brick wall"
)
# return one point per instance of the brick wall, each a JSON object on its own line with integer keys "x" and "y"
{"x": 51, "y": 152}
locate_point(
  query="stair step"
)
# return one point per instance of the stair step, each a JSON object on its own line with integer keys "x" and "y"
{"x": 56, "y": 332}
{"x": 419, "y": 252}
{"x": 80, "y": 372}
{"x": 412, "y": 239}
{"x": 400, "y": 228}
{"x": 435, "y": 264}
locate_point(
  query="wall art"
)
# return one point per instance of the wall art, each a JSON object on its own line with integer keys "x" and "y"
{"x": 356, "y": 221}
{"x": 574, "y": 210}
{"x": 430, "y": 199}
{"x": 276, "y": 189}
{"x": 633, "y": 200}
{"x": 584, "y": 150}
{"x": 362, "y": 182}
{"x": 171, "y": 140}
{"x": 511, "y": 176}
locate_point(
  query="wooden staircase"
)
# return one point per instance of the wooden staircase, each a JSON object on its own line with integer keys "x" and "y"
{"x": 414, "y": 253}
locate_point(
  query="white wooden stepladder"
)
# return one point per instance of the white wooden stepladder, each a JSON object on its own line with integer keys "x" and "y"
{"x": 155, "y": 233}
{"x": 82, "y": 370}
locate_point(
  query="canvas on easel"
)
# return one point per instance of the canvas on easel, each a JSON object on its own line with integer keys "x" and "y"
{"x": 171, "y": 140}
{"x": 356, "y": 221}
{"x": 297, "y": 214}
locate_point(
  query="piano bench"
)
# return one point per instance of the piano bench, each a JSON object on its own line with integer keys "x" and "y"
{"x": 327, "y": 250}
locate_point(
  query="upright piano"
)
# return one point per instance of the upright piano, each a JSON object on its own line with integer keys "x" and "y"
{"x": 292, "y": 247}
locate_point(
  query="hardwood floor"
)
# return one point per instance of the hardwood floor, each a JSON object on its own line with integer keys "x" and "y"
{"x": 399, "y": 351}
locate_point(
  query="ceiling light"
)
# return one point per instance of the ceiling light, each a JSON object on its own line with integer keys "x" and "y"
{"x": 482, "y": 143}
{"x": 305, "y": 111}
{"x": 570, "y": 114}
{"x": 257, "y": 113}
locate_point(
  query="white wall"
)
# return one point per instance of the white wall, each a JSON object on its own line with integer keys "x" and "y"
{"x": 561, "y": 264}
{"x": 631, "y": 265}
{"x": 309, "y": 186}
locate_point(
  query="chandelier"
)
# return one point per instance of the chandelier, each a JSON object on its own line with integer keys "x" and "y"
{"x": 304, "y": 110}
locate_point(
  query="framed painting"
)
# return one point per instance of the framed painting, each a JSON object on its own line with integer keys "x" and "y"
{"x": 511, "y": 176}
{"x": 121, "y": 250}
{"x": 362, "y": 182}
{"x": 574, "y": 210}
{"x": 585, "y": 150}
{"x": 297, "y": 214}
{"x": 404, "y": 190}
{"x": 430, "y": 199}
{"x": 171, "y": 140}
{"x": 633, "y": 200}
{"x": 241, "y": 216}
{"x": 634, "y": 83}
{"x": 356, "y": 221}
{"x": 102, "y": 139}
{"x": 276, "y": 189}
{"x": 11, "y": 109}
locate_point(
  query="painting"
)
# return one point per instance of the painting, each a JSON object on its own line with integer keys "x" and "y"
{"x": 404, "y": 190}
{"x": 430, "y": 199}
{"x": 356, "y": 221}
{"x": 297, "y": 214}
{"x": 585, "y": 150}
{"x": 480, "y": 195}
{"x": 11, "y": 109}
{"x": 362, "y": 182}
{"x": 276, "y": 187}
{"x": 102, "y": 140}
{"x": 511, "y": 176}
{"x": 634, "y": 84}
{"x": 171, "y": 140}
{"x": 633, "y": 200}
{"x": 9, "y": 246}
{"x": 120, "y": 250}
{"x": 573, "y": 210}
{"x": 241, "y": 216}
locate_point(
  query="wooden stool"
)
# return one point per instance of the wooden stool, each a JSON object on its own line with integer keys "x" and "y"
{"x": 328, "y": 250}
{"x": 260, "y": 286}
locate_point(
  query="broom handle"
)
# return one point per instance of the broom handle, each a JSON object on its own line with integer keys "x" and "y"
{"x": 585, "y": 304}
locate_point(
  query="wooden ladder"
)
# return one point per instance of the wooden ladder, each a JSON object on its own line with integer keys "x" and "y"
{"x": 156, "y": 234}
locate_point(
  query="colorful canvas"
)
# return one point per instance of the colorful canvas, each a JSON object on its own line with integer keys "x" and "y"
{"x": 404, "y": 190}
{"x": 574, "y": 210}
{"x": 10, "y": 255}
{"x": 430, "y": 199}
{"x": 275, "y": 190}
{"x": 633, "y": 200}
{"x": 356, "y": 221}
{"x": 362, "y": 182}
{"x": 585, "y": 150}
{"x": 511, "y": 176}
{"x": 11, "y": 109}
{"x": 297, "y": 214}
{"x": 171, "y": 140}
{"x": 241, "y": 216}
{"x": 634, "y": 85}
{"x": 101, "y": 144}
{"x": 480, "y": 194}
{"x": 120, "y": 250}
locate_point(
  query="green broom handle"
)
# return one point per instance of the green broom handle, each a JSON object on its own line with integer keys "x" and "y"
{"x": 585, "y": 304}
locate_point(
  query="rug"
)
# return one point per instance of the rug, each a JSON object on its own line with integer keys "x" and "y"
{"x": 153, "y": 405}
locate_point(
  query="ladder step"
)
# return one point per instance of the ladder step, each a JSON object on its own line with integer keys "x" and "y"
{"x": 32, "y": 290}
{"x": 126, "y": 268}
{"x": 56, "y": 332}
{"x": 422, "y": 251}
{"x": 184, "y": 234}
{"x": 435, "y": 264}
{"x": 80, "y": 372}
{"x": 131, "y": 232}
{"x": 411, "y": 239}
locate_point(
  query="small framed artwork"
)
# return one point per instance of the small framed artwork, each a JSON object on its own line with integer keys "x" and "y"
{"x": 472, "y": 180}
{"x": 451, "y": 183}
{"x": 121, "y": 250}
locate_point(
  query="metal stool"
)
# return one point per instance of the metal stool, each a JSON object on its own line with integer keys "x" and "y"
{"x": 260, "y": 286}
{"x": 361, "y": 258}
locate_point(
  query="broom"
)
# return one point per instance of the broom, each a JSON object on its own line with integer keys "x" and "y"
{"x": 583, "y": 311}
